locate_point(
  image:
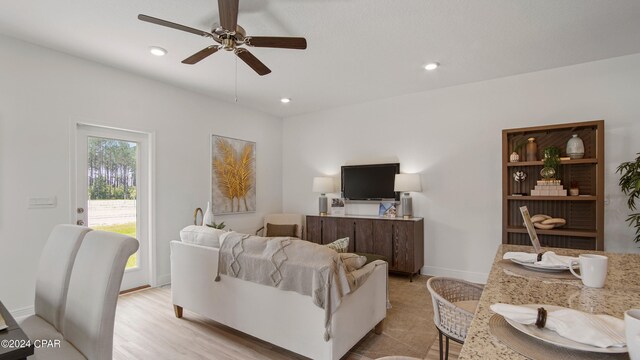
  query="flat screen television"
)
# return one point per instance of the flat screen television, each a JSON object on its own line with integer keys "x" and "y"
{"x": 369, "y": 182}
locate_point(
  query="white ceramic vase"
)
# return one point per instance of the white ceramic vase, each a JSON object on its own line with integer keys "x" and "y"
{"x": 514, "y": 157}
{"x": 575, "y": 147}
{"x": 207, "y": 219}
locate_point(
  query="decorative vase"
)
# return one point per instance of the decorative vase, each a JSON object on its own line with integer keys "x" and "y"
{"x": 547, "y": 173}
{"x": 514, "y": 157}
{"x": 574, "y": 191}
{"x": 575, "y": 147}
{"x": 207, "y": 219}
{"x": 532, "y": 149}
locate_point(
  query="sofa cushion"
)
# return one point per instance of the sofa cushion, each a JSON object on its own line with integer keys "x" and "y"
{"x": 340, "y": 245}
{"x": 201, "y": 235}
{"x": 274, "y": 230}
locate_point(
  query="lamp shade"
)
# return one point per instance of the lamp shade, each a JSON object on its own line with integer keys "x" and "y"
{"x": 322, "y": 184}
{"x": 407, "y": 183}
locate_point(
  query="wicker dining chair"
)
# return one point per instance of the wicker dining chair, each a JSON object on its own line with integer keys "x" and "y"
{"x": 454, "y": 305}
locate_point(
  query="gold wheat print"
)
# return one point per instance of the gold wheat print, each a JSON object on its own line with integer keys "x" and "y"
{"x": 234, "y": 175}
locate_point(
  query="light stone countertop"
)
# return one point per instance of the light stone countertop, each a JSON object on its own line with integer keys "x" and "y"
{"x": 621, "y": 292}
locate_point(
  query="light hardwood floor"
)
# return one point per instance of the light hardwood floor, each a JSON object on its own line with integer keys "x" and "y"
{"x": 146, "y": 328}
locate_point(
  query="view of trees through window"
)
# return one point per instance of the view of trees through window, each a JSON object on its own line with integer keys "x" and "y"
{"x": 112, "y": 192}
{"x": 112, "y": 169}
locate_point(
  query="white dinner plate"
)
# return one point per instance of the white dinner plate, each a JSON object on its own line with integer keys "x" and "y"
{"x": 538, "y": 267}
{"x": 552, "y": 337}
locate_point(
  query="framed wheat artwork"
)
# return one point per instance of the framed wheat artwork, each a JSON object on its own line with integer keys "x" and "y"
{"x": 233, "y": 175}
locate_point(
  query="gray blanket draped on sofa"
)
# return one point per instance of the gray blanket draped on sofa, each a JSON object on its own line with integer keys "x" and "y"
{"x": 287, "y": 264}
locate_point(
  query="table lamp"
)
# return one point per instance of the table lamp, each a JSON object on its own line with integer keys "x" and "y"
{"x": 322, "y": 185}
{"x": 406, "y": 183}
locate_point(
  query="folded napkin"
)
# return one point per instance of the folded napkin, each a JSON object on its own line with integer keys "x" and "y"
{"x": 520, "y": 256}
{"x": 602, "y": 331}
{"x": 549, "y": 258}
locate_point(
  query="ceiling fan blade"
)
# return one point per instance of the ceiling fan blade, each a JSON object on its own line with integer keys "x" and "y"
{"x": 252, "y": 61}
{"x": 228, "y": 10}
{"x": 169, "y": 24}
{"x": 195, "y": 58}
{"x": 277, "y": 42}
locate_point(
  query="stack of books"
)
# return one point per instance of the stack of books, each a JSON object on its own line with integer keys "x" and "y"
{"x": 549, "y": 188}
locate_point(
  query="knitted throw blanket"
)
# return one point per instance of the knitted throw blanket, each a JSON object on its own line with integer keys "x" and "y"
{"x": 287, "y": 264}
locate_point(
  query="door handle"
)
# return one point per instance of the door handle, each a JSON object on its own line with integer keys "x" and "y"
{"x": 80, "y": 222}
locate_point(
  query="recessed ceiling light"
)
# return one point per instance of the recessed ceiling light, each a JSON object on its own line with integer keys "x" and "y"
{"x": 432, "y": 66}
{"x": 285, "y": 100}
{"x": 157, "y": 51}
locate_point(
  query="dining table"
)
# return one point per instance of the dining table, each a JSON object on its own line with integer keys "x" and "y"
{"x": 519, "y": 286}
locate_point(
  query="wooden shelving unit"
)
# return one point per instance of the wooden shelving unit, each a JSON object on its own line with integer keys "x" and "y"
{"x": 563, "y": 162}
{"x": 555, "y": 198}
{"x": 584, "y": 213}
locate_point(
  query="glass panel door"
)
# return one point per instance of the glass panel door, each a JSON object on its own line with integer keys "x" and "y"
{"x": 112, "y": 191}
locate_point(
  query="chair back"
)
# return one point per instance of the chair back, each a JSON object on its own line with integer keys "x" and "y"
{"x": 451, "y": 319}
{"x": 285, "y": 219}
{"x": 54, "y": 271}
{"x": 93, "y": 292}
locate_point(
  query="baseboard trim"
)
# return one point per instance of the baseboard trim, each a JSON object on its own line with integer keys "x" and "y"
{"x": 22, "y": 312}
{"x": 163, "y": 280}
{"x": 476, "y": 277}
{"x": 137, "y": 288}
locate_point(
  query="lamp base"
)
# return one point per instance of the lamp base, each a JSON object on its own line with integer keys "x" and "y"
{"x": 323, "y": 208}
{"x": 407, "y": 206}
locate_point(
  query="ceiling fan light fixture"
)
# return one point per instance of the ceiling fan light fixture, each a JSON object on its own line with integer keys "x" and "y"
{"x": 157, "y": 51}
{"x": 285, "y": 100}
{"x": 431, "y": 66}
{"x": 229, "y": 35}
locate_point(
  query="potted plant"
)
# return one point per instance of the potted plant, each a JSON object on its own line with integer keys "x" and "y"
{"x": 550, "y": 162}
{"x": 217, "y": 226}
{"x": 574, "y": 190}
{"x": 630, "y": 186}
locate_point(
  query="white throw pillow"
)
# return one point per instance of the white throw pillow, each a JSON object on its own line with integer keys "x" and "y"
{"x": 201, "y": 235}
{"x": 340, "y": 245}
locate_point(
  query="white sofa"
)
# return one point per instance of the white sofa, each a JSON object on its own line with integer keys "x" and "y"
{"x": 283, "y": 318}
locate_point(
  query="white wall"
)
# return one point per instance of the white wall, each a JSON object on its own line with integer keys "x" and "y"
{"x": 452, "y": 137}
{"x": 42, "y": 92}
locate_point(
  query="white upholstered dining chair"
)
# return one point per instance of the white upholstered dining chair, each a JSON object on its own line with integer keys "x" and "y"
{"x": 454, "y": 305}
{"x": 86, "y": 325}
{"x": 52, "y": 280}
{"x": 93, "y": 292}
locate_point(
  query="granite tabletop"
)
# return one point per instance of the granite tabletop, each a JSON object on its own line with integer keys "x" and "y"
{"x": 621, "y": 292}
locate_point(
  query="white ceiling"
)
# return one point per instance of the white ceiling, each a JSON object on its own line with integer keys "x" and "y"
{"x": 358, "y": 50}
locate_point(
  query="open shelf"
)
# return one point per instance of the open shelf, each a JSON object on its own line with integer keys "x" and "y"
{"x": 557, "y": 231}
{"x": 554, "y": 198}
{"x": 584, "y": 214}
{"x": 562, "y": 162}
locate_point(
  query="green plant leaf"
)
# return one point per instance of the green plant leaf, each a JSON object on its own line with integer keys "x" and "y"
{"x": 630, "y": 185}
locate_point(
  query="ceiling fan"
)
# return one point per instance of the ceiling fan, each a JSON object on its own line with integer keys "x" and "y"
{"x": 230, "y": 36}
